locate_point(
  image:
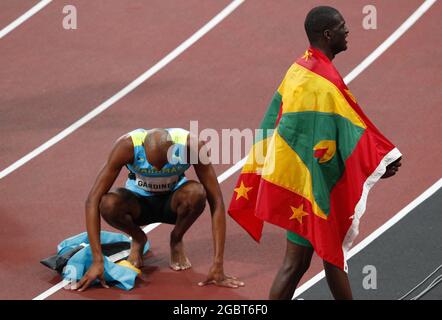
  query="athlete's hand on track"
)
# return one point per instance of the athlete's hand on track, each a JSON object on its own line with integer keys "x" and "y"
{"x": 217, "y": 277}
{"x": 96, "y": 271}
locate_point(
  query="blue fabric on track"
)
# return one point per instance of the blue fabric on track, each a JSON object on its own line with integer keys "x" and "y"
{"x": 79, "y": 263}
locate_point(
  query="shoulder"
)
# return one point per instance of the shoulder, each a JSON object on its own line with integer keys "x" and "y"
{"x": 122, "y": 150}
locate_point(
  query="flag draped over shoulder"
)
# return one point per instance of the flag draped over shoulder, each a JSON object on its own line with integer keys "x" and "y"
{"x": 312, "y": 173}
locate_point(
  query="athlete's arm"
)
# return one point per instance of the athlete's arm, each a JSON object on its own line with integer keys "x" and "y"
{"x": 121, "y": 154}
{"x": 207, "y": 177}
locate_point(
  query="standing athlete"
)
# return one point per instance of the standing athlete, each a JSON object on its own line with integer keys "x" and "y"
{"x": 327, "y": 33}
{"x": 156, "y": 191}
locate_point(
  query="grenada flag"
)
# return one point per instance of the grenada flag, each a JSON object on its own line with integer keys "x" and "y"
{"x": 312, "y": 173}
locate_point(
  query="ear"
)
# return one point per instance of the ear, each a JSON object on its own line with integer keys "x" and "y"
{"x": 327, "y": 34}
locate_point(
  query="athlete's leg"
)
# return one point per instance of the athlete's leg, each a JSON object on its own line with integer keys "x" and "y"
{"x": 120, "y": 209}
{"x": 338, "y": 283}
{"x": 188, "y": 203}
{"x": 296, "y": 263}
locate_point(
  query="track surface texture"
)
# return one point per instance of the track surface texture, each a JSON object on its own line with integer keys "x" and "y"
{"x": 50, "y": 77}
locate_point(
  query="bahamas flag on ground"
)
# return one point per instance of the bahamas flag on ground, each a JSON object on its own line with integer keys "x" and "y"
{"x": 312, "y": 174}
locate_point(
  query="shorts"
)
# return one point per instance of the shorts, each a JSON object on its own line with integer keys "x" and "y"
{"x": 155, "y": 209}
{"x": 297, "y": 239}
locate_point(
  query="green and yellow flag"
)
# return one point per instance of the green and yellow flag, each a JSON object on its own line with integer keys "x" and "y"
{"x": 312, "y": 173}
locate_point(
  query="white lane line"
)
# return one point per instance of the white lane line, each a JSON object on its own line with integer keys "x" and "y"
{"x": 226, "y": 174}
{"x": 390, "y": 40}
{"x": 24, "y": 17}
{"x": 52, "y": 290}
{"x": 115, "y": 257}
{"x": 387, "y": 225}
{"x": 129, "y": 88}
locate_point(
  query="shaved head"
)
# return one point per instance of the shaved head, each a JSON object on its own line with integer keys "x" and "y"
{"x": 320, "y": 19}
{"x": 326, "y": 30}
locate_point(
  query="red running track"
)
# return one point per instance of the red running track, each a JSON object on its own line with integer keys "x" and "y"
{"x": 51, "y": 77}
{"x": 12, "y": 9}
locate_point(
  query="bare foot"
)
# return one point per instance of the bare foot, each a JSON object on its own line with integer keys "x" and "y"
{"x": 178, "y": 260}
{"x": 136, "y": 251}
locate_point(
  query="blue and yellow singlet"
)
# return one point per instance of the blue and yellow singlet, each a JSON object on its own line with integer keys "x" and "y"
{"x": 144, "y": 178}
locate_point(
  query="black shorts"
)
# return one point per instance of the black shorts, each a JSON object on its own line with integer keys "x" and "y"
{"x": 155, "y": 209}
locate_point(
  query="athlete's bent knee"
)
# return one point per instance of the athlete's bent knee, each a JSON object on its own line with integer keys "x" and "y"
{"x": 192, "y": 199}
{"x": 197, "y": 198}
{"x": 109, "y": 206}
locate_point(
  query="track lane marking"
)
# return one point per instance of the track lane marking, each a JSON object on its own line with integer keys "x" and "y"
{"x": 126, "y": 90}
{"x": 387, "y": 225}
{"x": 25, "y": 16}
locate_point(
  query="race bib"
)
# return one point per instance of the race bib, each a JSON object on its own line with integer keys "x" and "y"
{"x": 156, "y": 184}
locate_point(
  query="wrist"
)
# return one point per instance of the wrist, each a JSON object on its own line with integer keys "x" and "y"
{"x": 218, "y": 262}
{"x": 98, "y": 259}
